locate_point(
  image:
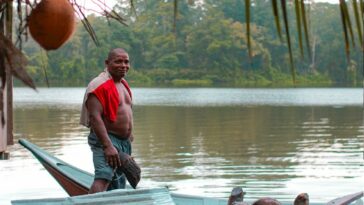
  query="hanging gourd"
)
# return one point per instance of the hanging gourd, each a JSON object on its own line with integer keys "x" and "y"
{"x": 51, "y": 23}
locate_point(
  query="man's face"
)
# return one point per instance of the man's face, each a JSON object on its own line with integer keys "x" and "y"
{"x": 118, "y": 65}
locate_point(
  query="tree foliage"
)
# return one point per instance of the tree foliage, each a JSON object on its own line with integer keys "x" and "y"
{"x": 207, "y": 47}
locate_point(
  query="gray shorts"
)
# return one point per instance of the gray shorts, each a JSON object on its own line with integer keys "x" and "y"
{"x": 102, "y": 169}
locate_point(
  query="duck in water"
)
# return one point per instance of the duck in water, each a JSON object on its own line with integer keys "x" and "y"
{"x": 237, "y": 197}
{"x": 302, "y": 199}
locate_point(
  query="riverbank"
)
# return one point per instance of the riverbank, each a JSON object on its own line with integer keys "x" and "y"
{"x": 191, "y": 78}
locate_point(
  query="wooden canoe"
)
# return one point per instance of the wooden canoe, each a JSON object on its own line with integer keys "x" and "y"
{"x": 77, "y": 182}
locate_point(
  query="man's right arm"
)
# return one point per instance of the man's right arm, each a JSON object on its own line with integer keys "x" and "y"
{"x": 95, "y": 111}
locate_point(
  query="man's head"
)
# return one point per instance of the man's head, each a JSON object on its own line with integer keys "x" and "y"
{"x": 117, "y": 63}
{"x": 267, "y": 201}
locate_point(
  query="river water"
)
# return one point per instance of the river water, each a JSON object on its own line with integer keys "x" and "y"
{"x": 204, "y": 141}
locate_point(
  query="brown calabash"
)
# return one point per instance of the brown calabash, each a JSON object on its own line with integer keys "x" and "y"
{"x": 51, "y": 23}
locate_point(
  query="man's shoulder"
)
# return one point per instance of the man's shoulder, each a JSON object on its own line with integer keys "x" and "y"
{"x": 97, "y": 81}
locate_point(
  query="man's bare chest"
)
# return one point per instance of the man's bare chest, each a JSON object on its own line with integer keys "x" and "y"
{"x": 124, "y": 96}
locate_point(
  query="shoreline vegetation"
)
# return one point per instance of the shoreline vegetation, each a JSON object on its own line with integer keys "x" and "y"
{"x": 182, "y": 78}
{"x": 251, "y": 80}
{"x": 207, "y": 49}
{"x": 167, "y": 78}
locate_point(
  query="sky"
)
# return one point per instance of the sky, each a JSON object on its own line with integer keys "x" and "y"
{"x": 111, "y": 3}
{"x": 329, "y": 1}
{"x": 96, "y": 7}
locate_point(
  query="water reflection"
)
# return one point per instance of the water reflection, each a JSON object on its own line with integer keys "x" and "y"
{"x": 261, "y": 148}
{"x": 71, "y": 98}
{"x": 270, "y": 151}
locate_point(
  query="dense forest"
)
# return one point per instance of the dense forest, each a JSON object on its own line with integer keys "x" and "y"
{"x": 207, "y": 47}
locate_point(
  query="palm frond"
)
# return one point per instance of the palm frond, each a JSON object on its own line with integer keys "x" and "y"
{"x": 348, "y": 22}
{"x": 132, "y": 6}
{"x": 361, "y": 10}
{"x": 44, "y": 66}
{"x": 175, "y": 7}
{"x": 288, "y": 38}
{"x": 247, "y": 20}
{"x": 114, "y": 15}
{"x": 358, "y": 21}
{"x": 15, "y": 59}
{"x": 361, "y": 4}
{"x": 305, "y": 28}
{"x": 86, "y": 24}
{"x": 276, "y": 18}
{"x": 343, "y": 21}
{"x": 298, "y": 22}
{"x": 9, "y": 20}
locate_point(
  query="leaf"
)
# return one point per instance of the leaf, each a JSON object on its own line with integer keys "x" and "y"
{"x": 347, "y": 46}
{"x": 114, "y": 15}
{"x": 132, "y": 7}
{"x": 276, "y": 18}
{"x": 362, "y": 8}
{"x": 357, "y": 20}
{"x": 303, "y": 12}
{"x": 86, "y": 24}
{"x": 247, "y": 20}
{"x": 284, "y": 10}
{"x": 348, "y": 22}
{"x": 175, "y": 7}
{"x": 16, "y": 60}
{"x": 44, "y": 67}
{"x": 298, "y": 22}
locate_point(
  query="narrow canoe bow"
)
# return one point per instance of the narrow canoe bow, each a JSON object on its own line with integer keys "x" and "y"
{"x": 73, "y": 180}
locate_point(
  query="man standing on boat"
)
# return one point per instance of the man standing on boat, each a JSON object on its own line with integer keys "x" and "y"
{"x": 107, "y": 110}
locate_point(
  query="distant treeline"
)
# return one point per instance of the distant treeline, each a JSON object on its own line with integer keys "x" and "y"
{"x": 207, "y": 47}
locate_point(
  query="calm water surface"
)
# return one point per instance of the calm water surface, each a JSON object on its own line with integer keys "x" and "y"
{"x": 272, "y": 142}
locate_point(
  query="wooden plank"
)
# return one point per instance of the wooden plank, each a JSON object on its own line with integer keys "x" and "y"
{"x": 6, "y": 130}
{"x": 9, "y": 78}
{"x": 2, "y": 140}
{"x": 54, "y": 201}
{"x": 3, "y": 127}
{"x": 160, "y": 196}
{"x": 182, "y": 199}
{"x": 2, "y": 135}
{"x": 346, "y": 199}
{"x": 9, "y": 111}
